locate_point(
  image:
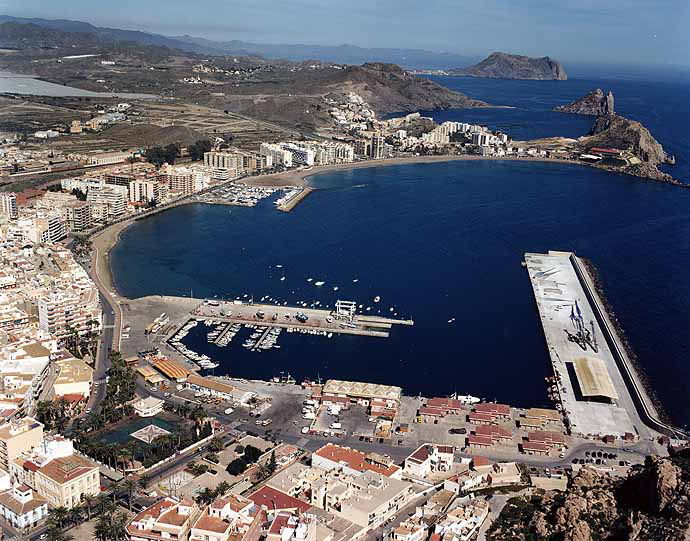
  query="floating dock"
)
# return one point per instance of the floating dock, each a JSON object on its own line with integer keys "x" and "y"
{"x": 319, "y": 320}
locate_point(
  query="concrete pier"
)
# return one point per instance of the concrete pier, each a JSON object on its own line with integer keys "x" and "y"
{"x": 599, "y": 391}
{"x": 295, "y": 200}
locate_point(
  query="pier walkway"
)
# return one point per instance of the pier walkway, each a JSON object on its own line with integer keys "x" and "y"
{"x": 318, "y": 320}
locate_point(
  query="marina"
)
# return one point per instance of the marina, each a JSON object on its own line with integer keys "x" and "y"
{"x": 235, "y": 194}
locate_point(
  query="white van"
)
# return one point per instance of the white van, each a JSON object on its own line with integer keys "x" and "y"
{"x": 336, "y": 426}
{"x": 229, "y": 411}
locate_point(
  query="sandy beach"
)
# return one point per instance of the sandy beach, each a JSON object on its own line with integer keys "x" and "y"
{"x": 301, "y": 177}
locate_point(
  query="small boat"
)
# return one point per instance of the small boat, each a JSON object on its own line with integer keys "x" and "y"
{"x": 309, "y": 279}
{"x": 355, "y": 280}
{"x": 377, "y": 298}
{"x": 319, "y": 284}
{"x": 279, "y": 266}
{"x": 282, "y": 279}
{"x": 335, "y": 288}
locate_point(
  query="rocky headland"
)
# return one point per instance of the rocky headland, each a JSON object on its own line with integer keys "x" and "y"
{"x": 595, "y": 103}
{"x": 510, "y": 66}
{"x": 651, "y": 503}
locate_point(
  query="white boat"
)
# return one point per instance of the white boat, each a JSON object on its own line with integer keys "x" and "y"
{"x": 309, "y": 279}
{"x": 282, "y": 279}
{"x": 319, "y": 283}
{"x": 355, "y": 280}
{"x": 377, "y": 298}
{"x": 335, "y": 288}
{"x": 469, "y": 399}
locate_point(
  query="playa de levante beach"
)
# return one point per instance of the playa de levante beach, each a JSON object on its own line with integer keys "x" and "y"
{"x": 441, "y": 243}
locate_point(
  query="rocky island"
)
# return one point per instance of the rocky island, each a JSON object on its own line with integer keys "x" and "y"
{"x": 595, "y": 103}
{"x": 510, "y": 66}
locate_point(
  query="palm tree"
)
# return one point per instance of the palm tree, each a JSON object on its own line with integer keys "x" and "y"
{"x": 113, "y": 490}
{"x": 130, "y": 486}
{"x": 222, "y": 488}
{"x": 58, "y": 517}
{"x": 205, "y": 497}
{"x": 88, "y": 500}
{"x": 56, "y": 534}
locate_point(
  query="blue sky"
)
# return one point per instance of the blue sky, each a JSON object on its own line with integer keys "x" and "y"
{"x": 627, "y": 31}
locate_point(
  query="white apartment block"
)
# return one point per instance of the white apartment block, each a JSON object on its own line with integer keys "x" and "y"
{"x": 61, "y": 313}
{"x": 113, "y": 197}
{"x": 8, "y": 205}
{"x": 143, "y": 191}
{"x": 300, "y": 155}
{"x": 278, "y": 155}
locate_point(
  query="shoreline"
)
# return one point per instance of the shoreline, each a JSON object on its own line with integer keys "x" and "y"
{"x": 105, "y": 240}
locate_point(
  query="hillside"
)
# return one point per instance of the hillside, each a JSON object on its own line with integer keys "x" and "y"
{"x": 652, "y": 503}
{"x": 146, "y": 135}
{"x": 509, "y": 66}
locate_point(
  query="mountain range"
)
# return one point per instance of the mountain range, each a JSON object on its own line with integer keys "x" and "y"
{"x": 341, "y": 54}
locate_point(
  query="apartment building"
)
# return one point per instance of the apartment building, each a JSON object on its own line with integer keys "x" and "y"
{"x": 276, "y": 155}
{"x": 112, "y": 196}
{"x": 60, "y": 313}
{"x": 108, "y": 158}
{"x": 77, "y": 216}
{"x": 75, "y": 377}
{"x": 18, "y": 436}
{"x": 368, "y": 500}
{"x": 300, "y": 155}
{"x": 63, "y": 481}
{"x": 169, "y": 518}
{"x": 144, "y": 191}
{"x": 8, "y": 205}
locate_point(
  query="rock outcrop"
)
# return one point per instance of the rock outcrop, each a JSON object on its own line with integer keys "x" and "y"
{"x": 652, "y": 503}
{"x": 595, "y": 103}
{"x": 510, "y": 66}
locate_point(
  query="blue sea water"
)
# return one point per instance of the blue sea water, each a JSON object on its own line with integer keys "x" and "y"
{"x": 444, "y": 241}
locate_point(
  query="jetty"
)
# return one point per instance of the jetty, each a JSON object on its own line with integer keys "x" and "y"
{"x": 598, "y": 390}
{"x": 294, "y": 199}
{"x": 342, "y": 320}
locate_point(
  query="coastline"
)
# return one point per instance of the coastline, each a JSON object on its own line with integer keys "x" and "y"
{"x": 105, "y": 240}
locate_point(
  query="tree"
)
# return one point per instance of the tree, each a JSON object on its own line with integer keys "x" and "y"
{"x": 197, "y": 149}
{"x": 216, "y": 445}
{"x": 205, "y": 497}
{"x": 171, "y": 152}
{"x": 251, "y": 453}
{"x": 272, "y": 463}
{"x": 58, "y": 517}
{"x": 88, "y": 500}
{"x": 222, "y": 488}
{"x": 236, "y": 467}
{"x": 131, "y": 487}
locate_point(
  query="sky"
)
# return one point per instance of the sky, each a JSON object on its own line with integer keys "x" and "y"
{"x": 636, "y": 32}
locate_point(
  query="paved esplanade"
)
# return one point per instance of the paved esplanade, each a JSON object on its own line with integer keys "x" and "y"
{"x": 575, "y": 340}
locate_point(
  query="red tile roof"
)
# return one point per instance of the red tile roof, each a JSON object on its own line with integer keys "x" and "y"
{"x": 275, "y": 499}
{"x": 479, "y": 440}
{"x": 490, "y": 407}
{"x": 446, "y": 403}
{"x": 354, "y": 459}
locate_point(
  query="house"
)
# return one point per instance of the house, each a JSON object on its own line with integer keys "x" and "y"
{"x": 428, "y": 458}
{"x": 496, "y": 433}
{"x": 275, "y": 500}
{"x": 475, "y": 441}
{"x": 168, "y": 518}
{"x": 354, "y": 462}
{"x": 64, "y": 480}
{"x": 497, "y": 411}
{"x": 461, "y": 523}
{"x": 535, "y": 448}
{"x": 479, "y": 418}
{"x": 554, "y": 440}
{"x": 503, "y": 474}
{"x": 429, "y": 415}
{"x": 148, "y": 407}
{"x": 540, "y": 417}
{"x": 226, "y": 519}
{"x": 450, "y": 405}
{"x": 22, "y": 507}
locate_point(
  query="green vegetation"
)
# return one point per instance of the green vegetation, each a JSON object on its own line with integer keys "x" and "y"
{"x": 207, "y": 495}
{"x": 53, "y": 414}
{"x": 197, "y": 469}
{"x": 80, "y": 195}
{"x": 160, "y": 155}
{"x": 196, "y": 150}
{"x": 84, "y": 343}
{"x": 250, "y": 455}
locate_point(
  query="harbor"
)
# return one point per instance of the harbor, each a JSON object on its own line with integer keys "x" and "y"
{"x": 342, "y": 320}
{"x": 591, "y": 383}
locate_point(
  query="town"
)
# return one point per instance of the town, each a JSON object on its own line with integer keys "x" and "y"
{"x": 112, "y": 428}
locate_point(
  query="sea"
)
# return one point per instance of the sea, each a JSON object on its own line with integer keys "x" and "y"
{"x": 442, "y": 244}
{"x": 14, "y": 83}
